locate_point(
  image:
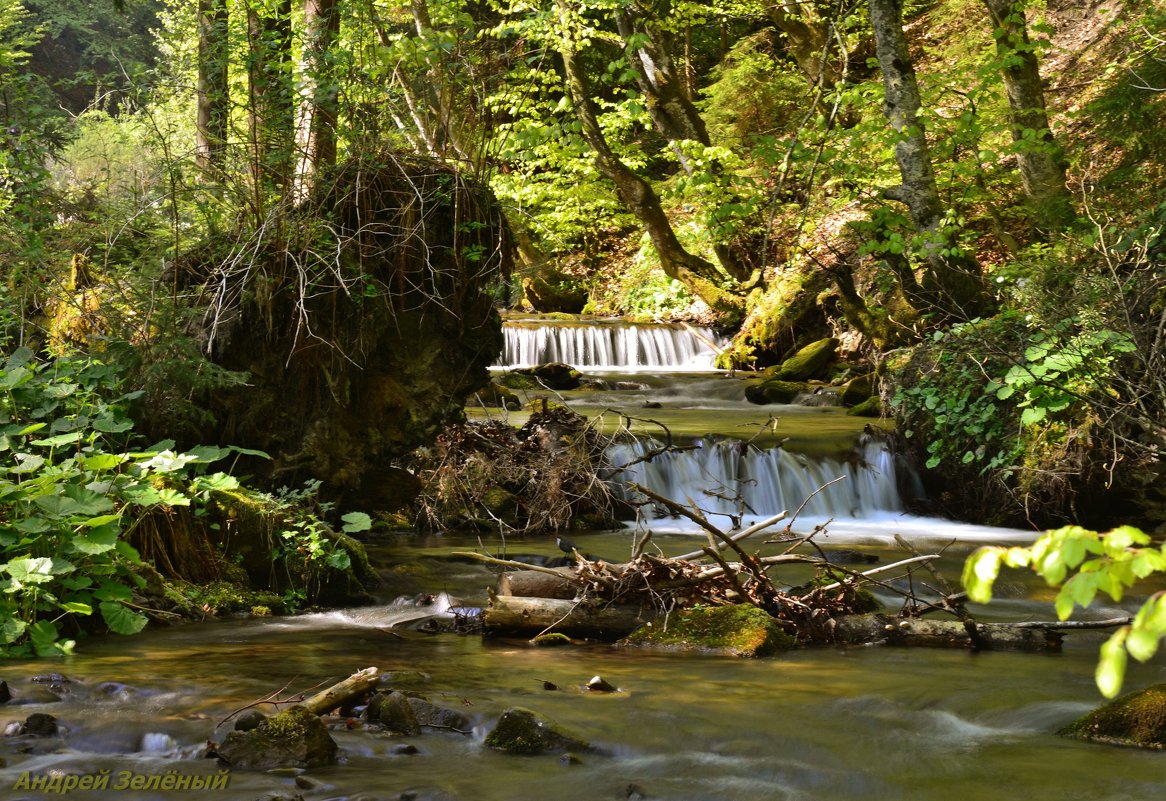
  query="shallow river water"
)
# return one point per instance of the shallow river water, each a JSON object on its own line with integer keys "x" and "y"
{"x": 823, "y": 724}
{"x": 830, "y": 723}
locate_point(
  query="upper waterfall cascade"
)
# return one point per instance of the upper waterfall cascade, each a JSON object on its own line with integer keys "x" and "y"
{"x": 610, "y": 345}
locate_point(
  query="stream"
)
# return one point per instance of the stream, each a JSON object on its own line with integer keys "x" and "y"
{"x": 814, "y": 725}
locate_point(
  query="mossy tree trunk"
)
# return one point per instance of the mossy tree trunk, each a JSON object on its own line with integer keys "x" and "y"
{"x": 673, "y": 114}
{"x": 1038, "y": 156}
{"x": 213, "y": 99}
{"x": 319, "y": 103}
{"x": 271, "y": 108}
{"x": 951, "y": 283}
{"x": 698, "y": 274}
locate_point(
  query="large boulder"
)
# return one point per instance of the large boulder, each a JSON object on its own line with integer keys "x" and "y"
{"x": 1137, "y": 719}
{"x": 769, "y": 390}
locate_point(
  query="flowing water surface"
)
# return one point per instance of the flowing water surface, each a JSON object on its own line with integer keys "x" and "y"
{"x": 819, "y": 724}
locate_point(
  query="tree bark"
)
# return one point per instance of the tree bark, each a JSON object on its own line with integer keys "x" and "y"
{"x": 673, "y": 113}
{"x": 213, "y": 105}
{"x": 808, "y": 38}
{"x": 319, "y": 107}
{"x": 699, "y": 275}
{"x": 358, "y": 684}
{"x": 271, "y": 115}
{"x": 883, "y": 629}
{"x": 952, "y": 284}
{"x": 1038, "y": 156}
{"x": 531, "y": 616}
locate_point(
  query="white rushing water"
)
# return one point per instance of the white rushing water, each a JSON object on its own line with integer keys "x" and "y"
{"x": 610, "y": 345}
{"x": 728, "y": 480}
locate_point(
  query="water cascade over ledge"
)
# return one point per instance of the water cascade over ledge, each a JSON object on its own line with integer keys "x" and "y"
{"x": 609, "y": 344}
{"x": 857, "y": 499}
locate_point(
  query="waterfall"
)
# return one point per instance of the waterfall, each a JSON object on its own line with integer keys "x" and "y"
{"x": 609, "y": 344}
{"x": 720, "y": 476}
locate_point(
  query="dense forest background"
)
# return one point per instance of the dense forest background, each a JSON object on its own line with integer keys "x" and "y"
{"x": 967, "y": 194}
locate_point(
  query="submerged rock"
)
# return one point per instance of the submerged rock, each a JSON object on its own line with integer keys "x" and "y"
{"x": 772, "y": 390}
{"x": 1137, "y": 719}
{"x": 740, "y": 630}
{"x": 293, "y": 738}
{"x": 522, "y": 731}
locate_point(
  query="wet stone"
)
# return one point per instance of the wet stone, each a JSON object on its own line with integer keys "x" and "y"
{"x": 39, "y": 725}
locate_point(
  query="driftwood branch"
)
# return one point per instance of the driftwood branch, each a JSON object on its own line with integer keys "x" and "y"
{"x": 355, "y": 686}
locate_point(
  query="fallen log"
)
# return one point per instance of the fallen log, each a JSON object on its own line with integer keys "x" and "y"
{"x": 352, "y": 688}
{"x": 513, "y": 615}
{"x": 888, "y": 630}
{"x": 536, "y": 584}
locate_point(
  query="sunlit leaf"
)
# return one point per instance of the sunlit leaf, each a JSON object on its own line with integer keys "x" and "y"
{"x": 1111, "y": 667}
{"x": 356, "y": 521}
{"x": 121, "y": 619}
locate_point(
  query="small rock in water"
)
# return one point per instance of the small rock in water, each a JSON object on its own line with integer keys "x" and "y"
{"x": 13, "y": 728}
{"x": 634, "y": 793}
{"x": 600, "y": 685}
{"x": 39, "y": 724}
{"x": 5, "y": 693}
{"x": 569, "y": 759}
{"x": 405, "y": 749}
{"x": 550, "y": 686}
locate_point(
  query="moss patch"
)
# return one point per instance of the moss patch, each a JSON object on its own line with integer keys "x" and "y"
{"x": 1137, "y": 719}
{"x": 521, "y": 731}
{"x": 740, "y": 630}
{"x": 809, "y": 362}
{"x": 773, "y": 391}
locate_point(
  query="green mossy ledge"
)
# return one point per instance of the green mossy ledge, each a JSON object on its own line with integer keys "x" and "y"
{"x": 1137, "y": 719}
{"x": 809, "y": 362}
{"x": 740, "y": 630}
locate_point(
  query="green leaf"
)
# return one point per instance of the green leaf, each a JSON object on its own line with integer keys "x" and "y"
{"x": 58, "y": 440}
{"x": 356, "y": 521}
{"x": 11, "y": 629}
{"x": 99, "y": 540}
{"x": 29, "y": 463}
{"x": 121, "y": 619}
{"x": 44, "y": 638}
{"x": 37, "y": 570}
{"x": 77, "y": 608}
{"x": 980, "y": 571}
{"x": 113, "y": 591}
{"x": 1111, "y": 667}
{"x": 216, "y": 482}
{"x": 339, "y": 559}
{"x": 112, "y": 424}
{"x": 1032, "y": 414}
{"x": 101, "y": 462}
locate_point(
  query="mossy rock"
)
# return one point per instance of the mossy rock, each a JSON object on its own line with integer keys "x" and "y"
{"x": 295, "y": 738}
{"x": 857, "y": 390}
{"x": 553, "y": 375}
{"x": 523, "y": 731}
{"x": 740, "y": 630}
{"x": 772, "y": 390}
{"x": 395, "y": 713}
{"x": 1137, "y": 719}
{"x": 871, "y": 407}
{"x": 811, "y": 361}
{"x": 430, "y": 714}
{"x": 499, "y": 396}
{"x": 552, "y": 639}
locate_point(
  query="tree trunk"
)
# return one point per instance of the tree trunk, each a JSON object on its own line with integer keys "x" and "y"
{"x": 319, "y": 108}
{"x": 699, "y": 275}
{"x": 808, "y": 37}
{"x": 673, "y": 113}
{"x": 1038, "y": 156}
{"x": 213, "y": 91}
{"x": 951, "y": 284}
{"x": 272, "y": 108}
{"x": 527, "y": 617}
{"x": 883, "y": 629}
